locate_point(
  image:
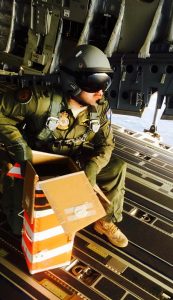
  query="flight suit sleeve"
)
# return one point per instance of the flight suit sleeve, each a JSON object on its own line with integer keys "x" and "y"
{"x": 103, "y": 140}
{"x": 12, "y": 114}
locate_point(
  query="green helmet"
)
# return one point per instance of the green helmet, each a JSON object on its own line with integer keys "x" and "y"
{"x": 87, "y": 69}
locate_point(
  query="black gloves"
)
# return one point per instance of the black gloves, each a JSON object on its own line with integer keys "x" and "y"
{"x": 91, "y": 172}
{"x": 19, "y": 151}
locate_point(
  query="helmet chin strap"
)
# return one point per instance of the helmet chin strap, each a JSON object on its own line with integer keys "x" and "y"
{"x": 80, "y": 101}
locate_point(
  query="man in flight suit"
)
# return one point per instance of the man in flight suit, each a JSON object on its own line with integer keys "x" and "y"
{"x": 73, "y": 122}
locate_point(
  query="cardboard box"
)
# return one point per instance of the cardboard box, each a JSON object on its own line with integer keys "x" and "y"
{"x": 58, "y": 201}
{"x": 67, "y": 190}
{"x": 47, "y": 259}
{"x": 44, "y": 243}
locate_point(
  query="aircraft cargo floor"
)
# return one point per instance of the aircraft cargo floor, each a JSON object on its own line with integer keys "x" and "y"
{"x": 143, "y": 270}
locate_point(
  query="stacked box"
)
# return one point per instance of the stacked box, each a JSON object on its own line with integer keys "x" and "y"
{"x": 58, "y": 200}
{"x": 44, "y": 242}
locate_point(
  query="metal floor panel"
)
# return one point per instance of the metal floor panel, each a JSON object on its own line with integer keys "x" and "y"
{"x": 142, "y": 153}
{"x": 138, "y": 257}
{"x": 141, "y": 271}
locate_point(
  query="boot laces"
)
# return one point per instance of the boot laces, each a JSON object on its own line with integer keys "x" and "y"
{"x": 112, "y": 228}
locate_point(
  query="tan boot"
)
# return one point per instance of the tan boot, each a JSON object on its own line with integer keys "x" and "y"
{"x": 113, "y": 233}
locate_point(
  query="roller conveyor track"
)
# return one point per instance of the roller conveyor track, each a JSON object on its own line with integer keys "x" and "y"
{"x": 143, "y": 270}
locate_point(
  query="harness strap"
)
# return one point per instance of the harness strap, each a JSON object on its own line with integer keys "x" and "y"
{"x": 74, "y": 141}
{"x": 94, "y": 119}
{"x": 94, "y": 125}
{"x": 51, "y": 122}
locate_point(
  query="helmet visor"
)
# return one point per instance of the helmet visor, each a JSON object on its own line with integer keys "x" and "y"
{"x": 92, "y": 83}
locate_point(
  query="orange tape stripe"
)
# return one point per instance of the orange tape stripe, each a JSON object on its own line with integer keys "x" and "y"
{"x": 53, "y": 242}
{"x": 43, "y": 223}
{"x": 62, "y": 259}
{"x": 40, "y": 195}
{"x": 48, "y": 264}
{"x": 44, "y": 205}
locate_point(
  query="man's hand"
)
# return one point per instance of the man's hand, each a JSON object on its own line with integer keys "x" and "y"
{"x": 91, "y": 172}
{"x": 20, "y": 151}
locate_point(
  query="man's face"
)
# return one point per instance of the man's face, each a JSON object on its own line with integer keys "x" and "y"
{"x": 90, "y": 98}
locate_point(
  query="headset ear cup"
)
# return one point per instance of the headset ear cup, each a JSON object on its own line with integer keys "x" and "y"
{"x": 74, "y": 88}
{"x": 69, "y": 85}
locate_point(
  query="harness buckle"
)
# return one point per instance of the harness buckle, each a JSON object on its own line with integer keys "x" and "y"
{"x": 95, "y": 125}
{"x": 52, "y": 123}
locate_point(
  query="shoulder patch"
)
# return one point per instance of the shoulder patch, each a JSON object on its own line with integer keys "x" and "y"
{"x": 24, "y": 95}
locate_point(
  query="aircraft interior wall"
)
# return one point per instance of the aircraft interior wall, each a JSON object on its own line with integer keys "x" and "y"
{"x": 136, "y": 35}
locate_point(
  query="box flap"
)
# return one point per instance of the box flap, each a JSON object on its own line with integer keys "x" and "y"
{"x": 39, "y": 157}
{"x": 73, "y": 200}
{"x": 102, "y": 197}
{"x": 30, "y": 181}
{"x": 31, "y": 177}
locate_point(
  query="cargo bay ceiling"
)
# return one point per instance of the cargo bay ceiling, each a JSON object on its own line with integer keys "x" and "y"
{"x": 136, "y": 36}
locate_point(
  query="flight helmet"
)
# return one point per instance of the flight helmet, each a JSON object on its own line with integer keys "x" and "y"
{"x": 87, "y": 69}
